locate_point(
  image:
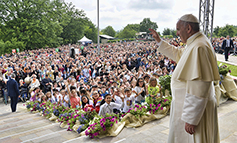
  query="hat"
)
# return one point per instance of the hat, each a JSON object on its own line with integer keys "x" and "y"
{"x": 189, "y": 18}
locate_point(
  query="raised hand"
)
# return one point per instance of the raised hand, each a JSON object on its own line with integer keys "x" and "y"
{"x": 155, "y": 35}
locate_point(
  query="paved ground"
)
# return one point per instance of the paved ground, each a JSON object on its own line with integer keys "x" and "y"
{"x": 27, "y": 127}
{"x": 232, "y": 59}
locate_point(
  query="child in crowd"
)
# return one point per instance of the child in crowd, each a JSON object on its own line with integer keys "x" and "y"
{"x": 140, "y": 90}
{"x": 129, "y": 99}
{"x": 49, "y": 96}
{"x": 96, "y": 101}
{"x": 74, "y": 99}
{"x": 34, "y": 94}
{"x": 65, "y": 99}
{"x": 108, "y": 106}
{"x": 86, "y": 103}
{"x": 153, "y": 88}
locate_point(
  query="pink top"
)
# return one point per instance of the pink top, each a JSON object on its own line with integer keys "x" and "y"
{"x": 75, "y": 101}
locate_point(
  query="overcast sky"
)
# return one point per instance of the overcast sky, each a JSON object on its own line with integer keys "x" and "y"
{"x": 119, "y": 13}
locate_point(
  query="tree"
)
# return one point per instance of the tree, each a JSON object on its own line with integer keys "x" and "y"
{"x": 73, "y": 23}
{"x": 135, "y": 27}
{"x": 109, "y": 31}
{"x": 35, "y": 23}
{"x": 216, "y": 31}
{"x": 166, "y": 31}
{"x": 126, "y": 33}
{"x": 146, "y": 24}
{"x": 90, "y": 30}
{"x": 227, "y": 30}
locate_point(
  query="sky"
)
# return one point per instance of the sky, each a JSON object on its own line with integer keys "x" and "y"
{"x": 119, "y": 13}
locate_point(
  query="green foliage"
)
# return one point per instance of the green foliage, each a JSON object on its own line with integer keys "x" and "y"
{"x": 109, "y": 31}
{"x": 135, "y": 27}
{"x": 231, "y": 67}
{"x": 224, "y": 31}
{"x": 90, "y": 31}
{"x": 165, "y": 83}
{"x": 127, "y": 32}
{"x": 6, "y": 47}
{"x": 146, "y": 24}
{"x": 169, "y": 32}
{"x": 39, "y": 23}
{"x": 223, "y": 70}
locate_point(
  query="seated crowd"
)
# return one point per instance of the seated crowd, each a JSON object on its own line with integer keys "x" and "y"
{"x": 123, "y": 74}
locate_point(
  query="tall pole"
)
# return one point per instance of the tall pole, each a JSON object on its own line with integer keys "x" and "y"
{"x": 98, "y": 28}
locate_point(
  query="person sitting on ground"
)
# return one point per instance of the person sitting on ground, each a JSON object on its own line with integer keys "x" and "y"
{"x": 129, "y": 99}
{"x": 109, "y": 106}
{"x": 96, "y": 101}
{"x": 34, "y": 94}
{"x": 86, "y": 103}
{"x": 140, "y": 90}
{"x": 153, "y": 88}
{"x": 23, "y": 90}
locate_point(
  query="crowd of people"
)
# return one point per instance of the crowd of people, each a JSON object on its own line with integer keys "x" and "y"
{"x": 122, "y": 73}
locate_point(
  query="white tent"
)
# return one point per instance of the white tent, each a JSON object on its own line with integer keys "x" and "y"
{"x": 85, "y": 40}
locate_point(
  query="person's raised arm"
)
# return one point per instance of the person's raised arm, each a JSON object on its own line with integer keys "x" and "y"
{"x": 165, "y": 48}
{"x": 69, "y": 92}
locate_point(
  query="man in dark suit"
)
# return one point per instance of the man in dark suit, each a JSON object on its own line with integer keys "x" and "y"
{"x": 226, "y": 45}
{"x": 13, "y": 91}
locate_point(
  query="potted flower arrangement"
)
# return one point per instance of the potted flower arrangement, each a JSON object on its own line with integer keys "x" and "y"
{"x": 153, "y": 106}
{"x": 223, "y": 70}
{"x": 101, "y": 125}
{"x": 138, "y": 111}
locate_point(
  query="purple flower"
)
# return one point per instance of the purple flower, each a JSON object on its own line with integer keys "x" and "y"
{"x": 86, "y": 132}
{"x": 158, "y": 105}
{"x": 111, "y": 125}
{"x": 116, "y": 121}
{"x": 161, "y": 108}
{"x": 150, "y": 105}
{"x": 165, "y": 100}
{"x": 229, "y": 71}
{"x": 137, "y": 106}
{"x": 157, "y": 108}
{"x": 112, "y": 120}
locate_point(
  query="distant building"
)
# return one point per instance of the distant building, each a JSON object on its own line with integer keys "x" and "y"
{"x": 105, "y": 38}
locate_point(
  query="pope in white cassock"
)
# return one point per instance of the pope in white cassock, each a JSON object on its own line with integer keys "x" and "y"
{"x": 193, "y": 115}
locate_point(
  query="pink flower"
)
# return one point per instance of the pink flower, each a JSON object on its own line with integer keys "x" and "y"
{"x": 23, "y": 104}
{"x": 135, "y": 109}
{"x": 161, "y": 108}
{"x": 116, "y": 121}
{"x": 158, "y": 105}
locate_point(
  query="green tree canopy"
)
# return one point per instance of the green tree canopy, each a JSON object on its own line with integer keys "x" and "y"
{"x": 127, "y": 32}
{"x": 109, "y": 31}
{"x": 146, "y": 24}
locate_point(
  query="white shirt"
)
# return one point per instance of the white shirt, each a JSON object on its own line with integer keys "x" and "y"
{"x": 128, "y": 102}
{"x": 108, "y": 108}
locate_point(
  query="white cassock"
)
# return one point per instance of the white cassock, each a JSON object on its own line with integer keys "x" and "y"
{"x": 193, "y": 93}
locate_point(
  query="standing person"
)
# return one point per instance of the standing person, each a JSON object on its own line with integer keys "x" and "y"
{"x": 13, "y": 91}
{"x": 226, "y": 45}
{"x": 193, "y": 106}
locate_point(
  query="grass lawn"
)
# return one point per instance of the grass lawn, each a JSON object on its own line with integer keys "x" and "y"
{"x": 231, "y": 67}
